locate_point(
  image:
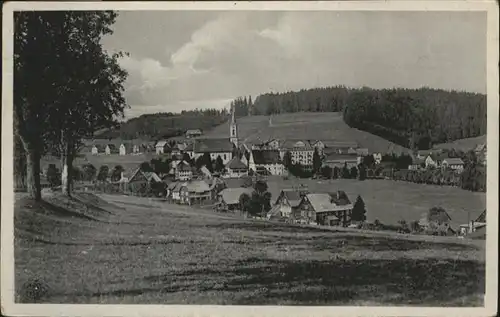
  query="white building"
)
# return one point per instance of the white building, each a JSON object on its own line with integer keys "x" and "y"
{"x": 266, "y": 162}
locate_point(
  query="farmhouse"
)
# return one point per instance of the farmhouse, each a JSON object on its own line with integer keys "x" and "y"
{"x": 434, "y": 160}
{"x": 437, "y": 221}
{"x": 474, "y": 225}
{"x": 173, "y": 191}
{"x": 236, "y": 168}
{"x": 455, "y": 164}
{"x": 193, "y": 133}
{"x": 196, "y": 191}
{"x": 229, "y": 199}
{"x": 141, "y": 182}
{"x": 266, "y": 162}
{"x": 330, "y": 209}
{"x": 287, "y": 203}
{"x": 183, "y": 171}
{"x": 340, "y": 160}
{"x": 162, "y": 147}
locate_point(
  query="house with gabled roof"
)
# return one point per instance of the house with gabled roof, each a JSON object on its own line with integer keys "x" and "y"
{"x": 434, "y": 160}
{"x": 196, "y": 191}
{"x": 287, "y": 203}
{"x": 111, "y": 149}
{"x": 142, "y": 182}
{"x": 266, "y": 162}
{"x": 215, "y": 148}
{"x": 474, "y": 225}
{"x": 236, "y": 168}
{"x": 229, "y": 198}
{"x": 300, "y": 150}
{"x": 162, "y": 147}
{"x": 455, "y": 164}
{"x": 329, "y": 209}
{"x": 183, "y": 171}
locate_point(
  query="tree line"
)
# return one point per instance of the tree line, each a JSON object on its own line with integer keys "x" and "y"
{"x": 414, "y": 118}
{"x": 66, "y": 86}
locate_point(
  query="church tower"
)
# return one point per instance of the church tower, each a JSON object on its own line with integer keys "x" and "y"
{"x": 233, "y": 128}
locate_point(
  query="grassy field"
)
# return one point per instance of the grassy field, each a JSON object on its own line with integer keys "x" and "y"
{"x": 138, "y": 250}
{"x": 391, "y": 201}
{"x": 306, "y": 125}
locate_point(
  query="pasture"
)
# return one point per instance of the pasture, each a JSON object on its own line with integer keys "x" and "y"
{"x": 462, "y": 144}
{"x": 305, "y": 125}
{"x": 131, "y": 250}
{"x": 390, "y": 201}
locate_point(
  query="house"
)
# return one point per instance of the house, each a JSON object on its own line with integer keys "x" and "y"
{"x": 266, "y": 162}
{"x": 377, "y": 157}
{"x": 436, "y": 221}
{"x": 301, "y": 152}
{"x": 178, "y": 149}
{"x": 340, "y": 160}
{"x": 183, "y": 171}
{"x": 97, "y": 148}
{"x": 229, "y": 198}
{"x": 215, "y": 148}
{"x": 474, "y": 225}
{"x": 455, "y": 164}
{"x": 193, "y": 133}
{"x": 329, "y": 209}
{"x": 195, "y": 191}
{"x": 318, "y": 145}
{"x": 434, "y": 160}
{"x": 287, "y": 202}
{"x": 417, "y": 164}
{"x": 142, "y": 182}
{"x": 111, "y": 149}
{"x": 173, "y": 191}
{"x": 162, "y": 147}
{"x": 236, "y": 168}
{"x": 423, "y": 154}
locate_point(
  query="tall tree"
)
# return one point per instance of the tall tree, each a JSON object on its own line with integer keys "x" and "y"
{"x": 89, "y": 172}
{"x": 316, "y": 161}
{"x": 219, "y": 164}
{"x": 103, "y": 173}
{"x": 358, "y": 210}
{"x": 116, "y": 173}
{"x": 287, "y": 160}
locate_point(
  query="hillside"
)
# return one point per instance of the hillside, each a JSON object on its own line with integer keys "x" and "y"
{"x": 305, "y": 125}
{"x": 165, "y": 125}
{"x": 462, "y": 144}
{"x": 151, "y": 252}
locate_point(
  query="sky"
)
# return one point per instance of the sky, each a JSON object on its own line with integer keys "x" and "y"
{"x": 203, "y": 59}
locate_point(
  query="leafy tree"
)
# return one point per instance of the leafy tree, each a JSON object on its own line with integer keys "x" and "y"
{"x": 103, "y": 173}
{"x": 336, "y": 172}
{"x": 116, "y": 173}
{"x": 354, "y": 172}
{"x": 403, "y": 226}
{"x": 208, "y": 162}
{"x": 316, "y": 161}
{"x": 327, "y": 172}
{"x": 89, "y": 172}
{"x": 53, "y": 175}
{"x": 260, "y": 200}
{"x": 415, "y": 226}
{"x": 358, "y": 210}
{"x": 244, "y": 202}
{"x": 362, "y": 172}
{"x": 346, "y": 172}
{"x": 219, "y": 165}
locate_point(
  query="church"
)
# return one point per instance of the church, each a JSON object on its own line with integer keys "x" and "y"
{"x": 221, "y": 147}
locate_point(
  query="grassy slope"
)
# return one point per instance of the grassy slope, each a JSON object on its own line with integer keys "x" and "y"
{"x": 152, "y": 252}
{"x": 391, "y": 201}
{"x": 307, "y": 125}
{"x": 463, "y": 144}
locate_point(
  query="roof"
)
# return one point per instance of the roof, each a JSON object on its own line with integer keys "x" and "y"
{"x": 161, "y": 143}
{"x": 340, "y": 198}
{"x": 197, "y": 186}
{"x": 204, "y": 170}
{"x": 193, "y": 131}
{"x": 480, "y": 147}
{"x": 454, "y": 161}
{"x": 292, "y": 196}
{"x": 438, "y": 156}
{"x": 212, "y": 145}
{"x": 295, "y": 144}
{"x": 263, "y": 157}
{"x": 152, "y": 176}
{"x": 234, "y": 182}
{"x": 231, "y": 196}
{"x": 335, "y": 157}
{"x": 236, "y": 163}
{"x": 441, "y": 217}
{"x": 482, "y": 217}
{"x": 183, "y": 166}
{"x": 322, "y": 202}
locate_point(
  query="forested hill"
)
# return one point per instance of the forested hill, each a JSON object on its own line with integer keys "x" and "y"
{"x": 414, "y": 118}
{"x": 166, "y": 124}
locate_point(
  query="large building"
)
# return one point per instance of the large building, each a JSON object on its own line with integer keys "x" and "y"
{"x": 266, "y": 162}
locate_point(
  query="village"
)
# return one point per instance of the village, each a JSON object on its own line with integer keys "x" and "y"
{"x": 221, "y": 174}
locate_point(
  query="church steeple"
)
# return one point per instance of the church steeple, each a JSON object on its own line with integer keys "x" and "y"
{"x": 233, "y": 128}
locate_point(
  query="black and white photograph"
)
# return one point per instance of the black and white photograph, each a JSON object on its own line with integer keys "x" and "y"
{"x": 250, "y": 156}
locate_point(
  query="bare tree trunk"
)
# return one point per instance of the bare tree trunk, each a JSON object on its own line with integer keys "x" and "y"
{"x": 67, "y": 168}
{"x": 33, "y": 172}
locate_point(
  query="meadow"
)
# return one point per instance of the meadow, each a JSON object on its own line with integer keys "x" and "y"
{"x": 138, "y": 250}
{"x": 390, "y": 201}
{"x": 305, "y": 125}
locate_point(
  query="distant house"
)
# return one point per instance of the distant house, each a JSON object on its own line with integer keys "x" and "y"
{"x": 330, "y": 209}
{"x": 196, "y": 191}
{"x": 455, "y": 164}
{"x": 128, "y": 148}
{"x": 266, "y": 162}
{"x": 474, "y": 225}
{"x": 318, "y": 145}
{"x": 423, "y": 154}
{"x": 183, "y": 171}
{"x": 141, "y": 182}
{"x": 287, "y": 203}
{"x": 111, "y": 149}
{"x": 193, "y": 133}
{"x": 236, "y": 168}
{"x": 229, "y": 198}
{"x": 97, "y": 148}
{"x": 340, "y": 160}
{"x": 173, "y": 191}
{"x": 436, "y": 221}
{"x": 377, "y": 157}
{"x": 162, "y": 147}
{"x": 434, "y": 160}
{"x": 301, "y": 151}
